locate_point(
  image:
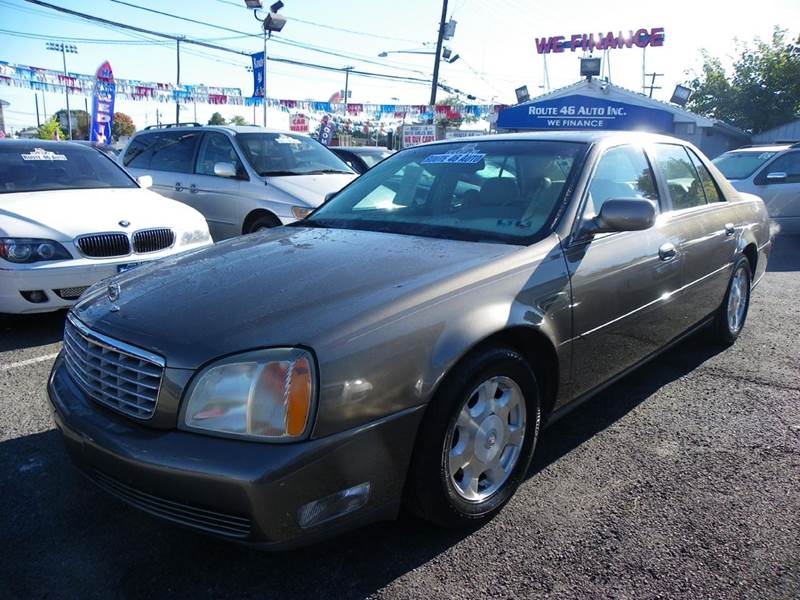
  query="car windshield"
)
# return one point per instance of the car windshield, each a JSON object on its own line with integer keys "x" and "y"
{"x": 288, "y": 154}
{"x": 372, "y": 157}
{"x": 502, "y": 191}
{"x": 739, "y": 165}
{"x": 37, "y": 167}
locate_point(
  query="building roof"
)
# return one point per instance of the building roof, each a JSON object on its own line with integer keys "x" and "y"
{"x": 788, "y": 132}
{"x": 621, "y": 94}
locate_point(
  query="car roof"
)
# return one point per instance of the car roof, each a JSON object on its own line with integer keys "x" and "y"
{"x": 764, "y": 148}
{"x": 362, "y": 148}
{"x": 586, "y": 137}
{"x": 232, "y": 129}
{"x": 47, "y": 144}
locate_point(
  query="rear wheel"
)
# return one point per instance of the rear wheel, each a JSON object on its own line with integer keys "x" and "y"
{"x": 731, "y": 315}
{"x": 476, "y": 442}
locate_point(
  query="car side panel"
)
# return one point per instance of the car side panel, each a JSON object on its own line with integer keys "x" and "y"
{"x": 389, "y": 361}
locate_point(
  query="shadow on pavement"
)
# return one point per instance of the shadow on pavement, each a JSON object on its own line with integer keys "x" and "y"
{"x": 95, "y": 546}
{"x": 25, "y": 331}
{"x": 785, "y": 254}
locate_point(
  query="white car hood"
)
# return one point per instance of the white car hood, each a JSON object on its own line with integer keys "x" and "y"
{"x": 311, "y": 189}
{"x": 62, "y": 215}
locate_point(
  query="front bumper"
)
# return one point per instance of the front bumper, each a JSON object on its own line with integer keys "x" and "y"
{"x": 248, "y": 492}
{"x": 59, "y": 275}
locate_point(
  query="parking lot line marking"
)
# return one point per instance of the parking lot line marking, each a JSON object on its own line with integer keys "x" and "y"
{"x": 30, "y": 361}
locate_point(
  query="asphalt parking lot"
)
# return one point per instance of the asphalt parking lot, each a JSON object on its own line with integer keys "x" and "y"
{"x": 682, "y": 480}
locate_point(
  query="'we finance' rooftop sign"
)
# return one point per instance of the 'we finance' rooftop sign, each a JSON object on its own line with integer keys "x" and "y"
{"x": 641, "y": 38}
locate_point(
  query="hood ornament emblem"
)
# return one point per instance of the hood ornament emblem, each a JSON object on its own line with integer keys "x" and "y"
{"x": 124, "y": 223}
{"x": 112, "y": 292}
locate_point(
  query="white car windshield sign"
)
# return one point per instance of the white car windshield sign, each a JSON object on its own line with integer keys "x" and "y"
{"x": 285, "y": 139}
{"x": 42, "y": 154}
{"x": 465, "y": 155}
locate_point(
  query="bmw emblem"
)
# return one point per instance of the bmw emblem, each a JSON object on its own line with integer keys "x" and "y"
{"x": 124, "y": 223}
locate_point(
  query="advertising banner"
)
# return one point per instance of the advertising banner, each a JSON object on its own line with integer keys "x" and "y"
{"x": 298, "y": 122}
{"x": 103, "y": 105}
{"x": 414, "y": 135}
{"x": 326, "y": 131}
{"x": 258, "y": 74}
{"x": 579, "y": 112}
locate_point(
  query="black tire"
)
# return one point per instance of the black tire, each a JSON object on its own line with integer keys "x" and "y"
{"x": 430, "y": 492}
{"x": 723, "y": 331}
{"x": 264, "y": 222}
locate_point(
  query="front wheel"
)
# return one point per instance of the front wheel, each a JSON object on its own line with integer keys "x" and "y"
{"x": 731, "y": 315}
{"x": 477, "y": 440}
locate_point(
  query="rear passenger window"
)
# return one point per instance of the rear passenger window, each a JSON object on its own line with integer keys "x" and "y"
{"x": 163, "y": 151}
{"x": 683, "y": 183}
{"x": 709, "y": 186}
{"x": 622, "y": 172}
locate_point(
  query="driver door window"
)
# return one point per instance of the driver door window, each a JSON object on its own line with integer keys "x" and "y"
{"x": 622, "y": 172}
{"x": 214, "y": 149}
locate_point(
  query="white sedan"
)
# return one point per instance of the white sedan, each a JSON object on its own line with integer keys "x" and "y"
{"x": 70, "y": 217}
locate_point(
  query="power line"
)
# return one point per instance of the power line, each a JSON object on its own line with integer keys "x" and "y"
{"x": 334, "y": 28}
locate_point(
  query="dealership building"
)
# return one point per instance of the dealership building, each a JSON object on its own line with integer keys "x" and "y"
{"x": 596, "y": 105}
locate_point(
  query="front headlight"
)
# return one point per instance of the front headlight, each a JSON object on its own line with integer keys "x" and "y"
{"x": 27, "y": 250}
{"x": 264, "y": 395}
{"x": 194, "y": 237}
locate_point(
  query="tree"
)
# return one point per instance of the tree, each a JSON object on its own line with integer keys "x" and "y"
{"x": 238, "y": 120}
{"x": 123, "y": 126}
{"x": 762, "y": 92}
{"x": 80, "y": 123}
{"x": 216, "y": 119}
{"x": 48, "y": 130}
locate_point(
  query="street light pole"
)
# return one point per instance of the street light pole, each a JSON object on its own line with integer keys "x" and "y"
{"x": 438, "y": 57}
{"x": 264, "y": 78}
{"x": 346, "y": 86}
{"x": 272, "y": 22}
{"x": 64, "y": 48}
{"x": 178, "y": 81}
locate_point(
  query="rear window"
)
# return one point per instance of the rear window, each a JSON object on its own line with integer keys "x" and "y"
{"x": 163, "y": 151}
{"x": 38, "y": 167}
{"x": 740, "y": 165}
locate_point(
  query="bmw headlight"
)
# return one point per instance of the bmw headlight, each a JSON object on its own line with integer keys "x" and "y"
{"x": 264, "y": 395}
{"x": 194, "y": 237}
{"x": 27, "y": 250}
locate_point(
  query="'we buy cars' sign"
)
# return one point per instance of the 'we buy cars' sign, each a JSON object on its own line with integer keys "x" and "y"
{"x": 414, "y": 135}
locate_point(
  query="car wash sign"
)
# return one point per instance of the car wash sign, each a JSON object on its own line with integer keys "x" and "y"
{"x": 578, "y": 112}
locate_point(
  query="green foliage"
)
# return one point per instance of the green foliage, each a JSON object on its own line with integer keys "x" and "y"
{"x": 81, "y": 121}
{"x": 762, "y": 92}
{"x": 238, "y": 120}
{"x": 123, "y": 126}
{"x": 217, "y": 119}
{"x": 47, "y": 130}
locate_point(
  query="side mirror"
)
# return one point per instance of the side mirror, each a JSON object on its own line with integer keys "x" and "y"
{"x": 776, "y": 176}
{"x": 224, "y": 169}
{"x": 623, "y": 215}
{"x": 144, "y": 181}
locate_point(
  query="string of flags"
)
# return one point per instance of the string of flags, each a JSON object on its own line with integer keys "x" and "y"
{"x": 48, "y": 80}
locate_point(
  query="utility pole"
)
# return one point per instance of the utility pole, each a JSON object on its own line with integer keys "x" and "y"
{"x": 653, "y": 85}
{"x": 178, "y": 82}
{"x": 438, "y": 58}
{"x": 64, "y": 48}
{"x": 346, "y": 86}
{"x": 264, "y": 75}
{"x": 36, "y": 98}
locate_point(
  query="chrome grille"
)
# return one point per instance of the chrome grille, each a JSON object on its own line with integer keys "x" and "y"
{"x": 152, "y": 240}
{"x": 104, "y": 245}
{"x": 112, "y": 373}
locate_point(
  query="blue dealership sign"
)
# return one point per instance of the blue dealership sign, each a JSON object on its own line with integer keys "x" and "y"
{"x": 258, "y": 74}
{"x": 578, "y": 112}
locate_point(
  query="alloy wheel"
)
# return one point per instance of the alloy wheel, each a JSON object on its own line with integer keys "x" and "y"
{"x": 737, "y": 299}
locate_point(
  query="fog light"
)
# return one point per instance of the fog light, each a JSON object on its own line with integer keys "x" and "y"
{"x": 333, "y": 506}
{"x": 35, "y": 296}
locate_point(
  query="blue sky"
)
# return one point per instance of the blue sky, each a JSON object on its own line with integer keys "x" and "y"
{"x": 495, "y": 39}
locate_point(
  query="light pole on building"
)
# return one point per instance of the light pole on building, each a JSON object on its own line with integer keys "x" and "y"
{"x": 64, "y": 49}
{"x": 273, "y": 22}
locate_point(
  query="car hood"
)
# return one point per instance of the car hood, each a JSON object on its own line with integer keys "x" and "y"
{"x": 62, "y": 215}
{"x": 286, "y": 286}
{"x": 311, "y": 189}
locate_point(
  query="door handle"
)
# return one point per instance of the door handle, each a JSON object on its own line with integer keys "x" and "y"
{"x": 729, "y": 229}
{"x": 667, "y": 252}
{"x": 193, "y": 188}
{"x": 178, "y": 187}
